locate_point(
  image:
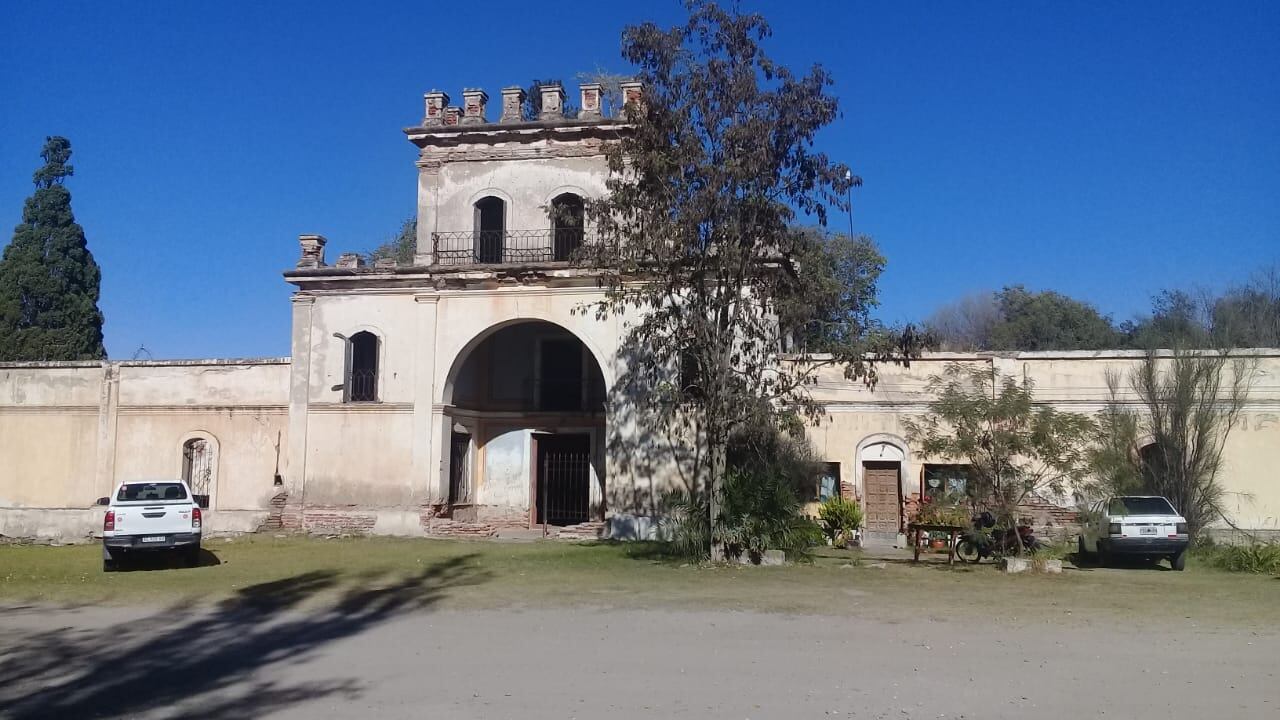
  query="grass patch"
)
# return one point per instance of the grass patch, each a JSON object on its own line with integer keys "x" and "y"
{"x": 638, "y": 575}
{"x": 1257, "y": 557}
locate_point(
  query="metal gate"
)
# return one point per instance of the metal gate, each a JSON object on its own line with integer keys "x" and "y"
{"x": 459, "y": 468}
{"x": 564, "y": 479}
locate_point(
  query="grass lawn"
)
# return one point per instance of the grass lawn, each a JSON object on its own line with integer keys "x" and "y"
{"x": 481, "y": 574}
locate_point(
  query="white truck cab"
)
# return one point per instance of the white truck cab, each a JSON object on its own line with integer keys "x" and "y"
{"x": 1137, "y": 526}
{"x": 148, "y": 516}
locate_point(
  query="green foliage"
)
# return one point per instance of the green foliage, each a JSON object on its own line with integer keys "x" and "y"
{"x": 1177, "y": 320}
{"x": 1245, "y": 316}
{"x": 760, "y": 512}
{"x": 400, "y": 247}
{"x": 840, "y": 519}
{"x": 689, "y": 526}
{"x": 49, "y": 281}
{"x": 1172, "y": 443}
{"x": 942, "y": 513}
{"x": 759, "y": 504}
{"x": 1013, "y": 446}
{"x": 695, "y": 235}
{"x": 1255, "y": 557}
{"x": 1049, "y": 321}
{"x": 832, "y": 308}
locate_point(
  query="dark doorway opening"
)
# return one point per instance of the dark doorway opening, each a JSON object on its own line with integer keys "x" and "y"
{"x": 567, "y": 215}
{"x": 563, "y": 480}
{"x": 560, "y": 381}
{"x": 491, "y": 230}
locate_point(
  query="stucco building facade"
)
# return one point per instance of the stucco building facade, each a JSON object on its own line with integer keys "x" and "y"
{"x": 470, "y": 391}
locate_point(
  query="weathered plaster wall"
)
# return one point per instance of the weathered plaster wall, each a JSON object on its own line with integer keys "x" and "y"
{"x": 857, "y": 416}
{"x": 69, "y": 432}
{"x": 506, "y": 470}
{"x": 526, "y": 177}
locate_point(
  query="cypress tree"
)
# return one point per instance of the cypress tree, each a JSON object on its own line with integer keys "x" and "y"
{"x": 49, "y": 282}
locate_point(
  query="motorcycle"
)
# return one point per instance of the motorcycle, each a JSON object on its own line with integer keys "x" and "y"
{"x": 986, "y": 540}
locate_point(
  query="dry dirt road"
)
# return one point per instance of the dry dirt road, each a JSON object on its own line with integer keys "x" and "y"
{"x": 358, "y": 662}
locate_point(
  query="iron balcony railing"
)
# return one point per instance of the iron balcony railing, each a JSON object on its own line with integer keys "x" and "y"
{"x": 498, "y": 247}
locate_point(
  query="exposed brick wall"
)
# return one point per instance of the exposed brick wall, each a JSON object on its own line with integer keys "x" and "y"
{"x": 345, "y": 519}
{"x": 275, "y": 516}
{"x": 591, "y": 530}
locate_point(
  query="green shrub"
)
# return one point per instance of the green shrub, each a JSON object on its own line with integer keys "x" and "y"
{"x": 690, "y": 523}
{"x": 770, "y": 475}
{"x": 762, "y": 512}
{"x": 1255, "y": 557}
{"x": 757, "y": 513}
{"x": 840, "y": 518}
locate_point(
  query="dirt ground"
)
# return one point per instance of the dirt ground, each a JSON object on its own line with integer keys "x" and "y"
{"x": 485, "y": 630}
{"x": 575, "y": 663}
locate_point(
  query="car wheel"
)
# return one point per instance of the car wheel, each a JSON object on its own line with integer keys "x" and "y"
{"x": 1179, "y": 561}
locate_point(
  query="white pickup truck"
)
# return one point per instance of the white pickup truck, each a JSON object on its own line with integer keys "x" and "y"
{"x": 148, "y": 516}
{"x": 1135, "y": 526}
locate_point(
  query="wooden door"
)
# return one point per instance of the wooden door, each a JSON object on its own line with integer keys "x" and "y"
{"x": 880, "y": 481}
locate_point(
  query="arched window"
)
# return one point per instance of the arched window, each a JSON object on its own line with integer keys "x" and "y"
{"x": 490, "y": 229}
{"x": 567, "y": 215}
{"x": 198, "y": 468}
{"x": 1154, "y": 463}
{"x": 362, "y": 367}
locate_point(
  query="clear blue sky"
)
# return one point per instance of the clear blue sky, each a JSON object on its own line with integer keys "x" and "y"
{"x": 1102, "y": 149}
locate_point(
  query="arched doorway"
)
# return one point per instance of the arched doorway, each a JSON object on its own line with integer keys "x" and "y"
{"x": 525, "y": 407}
{"x": 200, "y": 467}
{"x": 881, "y": 462}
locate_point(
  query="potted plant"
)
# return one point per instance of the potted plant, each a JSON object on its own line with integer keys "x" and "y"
{"x": 840, "y": 520}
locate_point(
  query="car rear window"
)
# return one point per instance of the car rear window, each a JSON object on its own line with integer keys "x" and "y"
{"x": 135, "y": 492}
{"x": 1147, "y": 506}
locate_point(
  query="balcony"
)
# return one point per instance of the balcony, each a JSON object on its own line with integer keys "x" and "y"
{"x": 502, "y": 247}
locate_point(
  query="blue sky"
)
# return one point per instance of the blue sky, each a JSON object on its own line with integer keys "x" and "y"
{"x": 1103, "y": 149}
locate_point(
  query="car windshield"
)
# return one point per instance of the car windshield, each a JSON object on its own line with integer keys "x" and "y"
{"x": 1145, "y": 506}
{"x": 144, "y": 492}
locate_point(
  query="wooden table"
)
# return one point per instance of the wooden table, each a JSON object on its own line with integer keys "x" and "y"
{"x": 952, "y": 531}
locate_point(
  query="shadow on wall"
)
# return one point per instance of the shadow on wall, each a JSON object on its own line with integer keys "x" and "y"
{"x": 647, "y": 439}
{"x": 202, "y": 662}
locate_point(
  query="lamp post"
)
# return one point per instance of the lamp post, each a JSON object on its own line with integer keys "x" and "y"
{"x": 848, "y": 176}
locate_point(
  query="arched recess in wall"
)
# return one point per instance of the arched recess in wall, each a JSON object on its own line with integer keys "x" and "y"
{"x": 568, "y": 223}
{"x": 881, "y": 467}
{"x": 460, "y": 357}
{"x": 491, "y": 212}
{"x": 198, "y": 454}
{"x": 1153, "y": 462}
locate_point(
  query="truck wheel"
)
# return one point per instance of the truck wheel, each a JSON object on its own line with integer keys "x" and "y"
{"x": 1179, "y": 561}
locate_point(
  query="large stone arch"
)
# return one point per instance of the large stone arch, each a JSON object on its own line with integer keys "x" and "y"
{"x": 458, "y": 356}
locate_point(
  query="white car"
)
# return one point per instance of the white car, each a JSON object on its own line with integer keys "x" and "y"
{"x": 149, "y": 516}
{"x": 1136, "y": 526}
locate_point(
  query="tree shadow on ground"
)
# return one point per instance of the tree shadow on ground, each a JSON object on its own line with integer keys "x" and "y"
{"x": 201, "y": 661}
